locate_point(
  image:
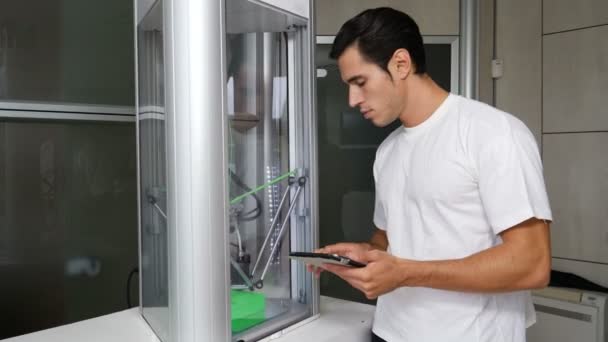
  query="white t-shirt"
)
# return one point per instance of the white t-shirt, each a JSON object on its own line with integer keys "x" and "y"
{"x": 445, "y": 189}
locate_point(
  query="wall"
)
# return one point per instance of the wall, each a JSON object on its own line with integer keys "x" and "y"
{"x": 555, "y": 74}
{"x": 518, "y": 43}
{"x": 486, "y": 51}
{"x": 434, "y": 17}
{"x": 575, "y": 132}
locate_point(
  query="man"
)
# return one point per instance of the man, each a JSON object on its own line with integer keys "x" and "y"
{"x": 461, "y": 208}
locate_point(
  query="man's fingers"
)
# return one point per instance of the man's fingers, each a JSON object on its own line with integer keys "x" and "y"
{"x": 339, "y": 248}
{"x": 332, "y": 249}
{"x": 357, "y": 278}
{"x": 370, "y": 256}
{"x": 344, "y": 271}
{"x": 314, "y": 269}
{"x": 335, "y": 269}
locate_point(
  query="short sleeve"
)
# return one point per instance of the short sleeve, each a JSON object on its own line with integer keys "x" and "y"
{"x": 379, "y": 211}
{"x": 510, "y": 177}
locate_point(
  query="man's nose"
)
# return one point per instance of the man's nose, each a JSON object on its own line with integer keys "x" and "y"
{"x": 354, "y": 97}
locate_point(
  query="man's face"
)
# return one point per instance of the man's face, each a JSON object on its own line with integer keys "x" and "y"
{"x": 369, "y": 87}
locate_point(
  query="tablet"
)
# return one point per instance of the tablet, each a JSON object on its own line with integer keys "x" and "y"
{"x": 318, "y": 259}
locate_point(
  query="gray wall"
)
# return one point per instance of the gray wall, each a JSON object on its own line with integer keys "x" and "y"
{"x": 518, "y": 44}
{"x": 486, "y": 50}
{"x": 435, "y": 17}
{"x": 555, "y": 76}
{"x": 575, "y": 132}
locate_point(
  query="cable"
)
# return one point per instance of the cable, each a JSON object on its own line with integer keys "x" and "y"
{"x": 263, "y": 186}
{"x": 238, "y": 237}
{"x": 255, "y": 212}
{"x": 133, "y": 271}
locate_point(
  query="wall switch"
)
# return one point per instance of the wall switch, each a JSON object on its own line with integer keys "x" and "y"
{"x": 497, "y": 68}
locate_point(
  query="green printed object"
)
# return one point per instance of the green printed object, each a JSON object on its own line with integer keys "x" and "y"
{"x": 247, "y": 309}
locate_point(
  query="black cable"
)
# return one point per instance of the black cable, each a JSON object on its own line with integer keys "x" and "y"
{"x": 570, "y": 280}
{"x": 133, "y": 271}
{"x": 247, "y": 216}
{"x": 255, "y": 212}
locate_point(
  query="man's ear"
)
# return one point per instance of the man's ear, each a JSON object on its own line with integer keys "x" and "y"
{"x": 400, "y": 64}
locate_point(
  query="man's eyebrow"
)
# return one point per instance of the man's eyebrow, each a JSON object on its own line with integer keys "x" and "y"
{"x": 354, "y": 79}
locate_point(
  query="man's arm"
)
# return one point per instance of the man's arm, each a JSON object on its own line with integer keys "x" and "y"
{"x": 522, "y": 261}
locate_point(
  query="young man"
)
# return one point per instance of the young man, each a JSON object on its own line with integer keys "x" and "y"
{"x": 461, "y": 207}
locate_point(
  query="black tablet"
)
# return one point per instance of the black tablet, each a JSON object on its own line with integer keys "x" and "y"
{"x": 319, "y": 259}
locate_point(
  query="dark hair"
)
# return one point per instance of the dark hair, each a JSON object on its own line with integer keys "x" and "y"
{"x": 378, "y": 33}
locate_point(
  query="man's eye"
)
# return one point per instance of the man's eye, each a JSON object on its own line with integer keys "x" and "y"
{"x": 360, "y": 84}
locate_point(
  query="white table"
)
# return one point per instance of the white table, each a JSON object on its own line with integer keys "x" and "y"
{"x": 340, "y": 320}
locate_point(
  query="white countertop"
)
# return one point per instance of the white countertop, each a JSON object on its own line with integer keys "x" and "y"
{"x": 123, "y": 326}
{"x": 339, "y": 320}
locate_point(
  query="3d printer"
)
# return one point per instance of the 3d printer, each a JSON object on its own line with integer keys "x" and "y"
{"x": 227, "y": 166}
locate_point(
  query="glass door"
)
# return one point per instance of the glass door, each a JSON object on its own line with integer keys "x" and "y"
{"x": 152, "y": 147}
{"x": 269, "y": 167}
{"x": 65, "y": 56}
{"x": 68, "y": 220}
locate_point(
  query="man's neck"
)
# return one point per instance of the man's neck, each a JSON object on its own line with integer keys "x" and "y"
{"x": 424, "y": 96}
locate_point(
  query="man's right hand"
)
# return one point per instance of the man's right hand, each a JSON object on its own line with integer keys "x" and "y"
{"x": 351, "y": 250}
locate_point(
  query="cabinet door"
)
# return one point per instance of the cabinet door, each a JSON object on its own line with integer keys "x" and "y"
{"x": 68, "y": 222}
{"x": 66, "y": 52}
